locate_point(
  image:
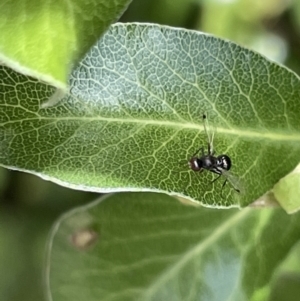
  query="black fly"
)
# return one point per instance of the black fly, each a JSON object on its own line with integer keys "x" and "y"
{"x": 219, "y": 165}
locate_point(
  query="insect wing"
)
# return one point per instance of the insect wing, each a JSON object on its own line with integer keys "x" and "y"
{"x": 233, "y": 180}
{"x": 210, "y": 133}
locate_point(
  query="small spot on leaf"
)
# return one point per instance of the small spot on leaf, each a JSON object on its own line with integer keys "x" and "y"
{"x": 84, "y": 239}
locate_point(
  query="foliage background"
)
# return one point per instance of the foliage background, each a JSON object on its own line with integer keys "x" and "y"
{"x": 29, "y": 205}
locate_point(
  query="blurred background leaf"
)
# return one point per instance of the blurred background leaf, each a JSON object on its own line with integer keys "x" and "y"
{"x": 287, "y": 191}
{"x": 148, "y": 246}
{"x": 29, "y": 205}
{"x": 44, "y": 39}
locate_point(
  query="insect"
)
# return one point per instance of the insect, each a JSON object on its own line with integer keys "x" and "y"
{"x": 219, "y": 165}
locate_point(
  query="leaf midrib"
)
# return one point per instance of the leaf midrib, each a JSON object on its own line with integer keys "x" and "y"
{"x": 248, "y": 133}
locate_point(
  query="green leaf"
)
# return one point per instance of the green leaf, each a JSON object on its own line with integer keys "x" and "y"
{"x": 139, "y": 246}
{"x": 133, "y": 118}
{"x": 45, "y": 38}
{"x": 295, "y": 14}
{"x": 21, "y": 253}
{"x": 286, "y": 284}
{"x": 287, "y": 191}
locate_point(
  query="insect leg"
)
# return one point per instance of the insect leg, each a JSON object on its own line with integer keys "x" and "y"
{"x": 231, "y": 180}
{"x": 222, "y": 188}
{"x": 237, "y": 190}
{"x": 214, "y": 180}
{"x": 198, "y": 151}
{"x": 220, "y": 174}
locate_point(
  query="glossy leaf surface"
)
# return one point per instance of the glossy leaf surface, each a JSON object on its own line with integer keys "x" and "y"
{"x": 133, "y": 118}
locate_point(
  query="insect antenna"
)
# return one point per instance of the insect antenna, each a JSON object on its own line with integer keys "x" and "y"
{"x": 209, "y": 133}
